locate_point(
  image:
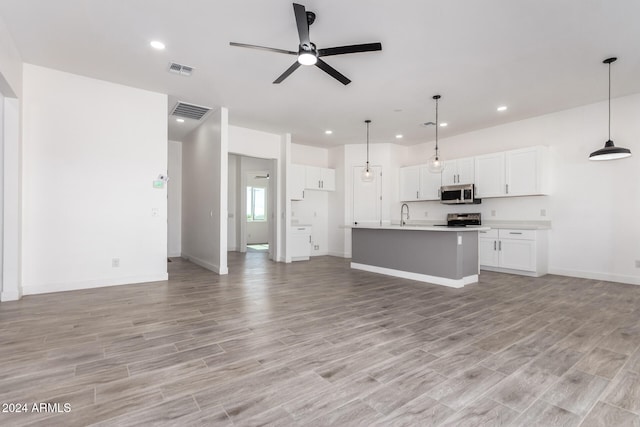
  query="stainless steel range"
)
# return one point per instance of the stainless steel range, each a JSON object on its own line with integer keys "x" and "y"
{"x": 462, "y": 220}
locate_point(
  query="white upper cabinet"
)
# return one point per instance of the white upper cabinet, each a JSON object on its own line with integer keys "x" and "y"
{"x": 297, "y": 182}
{"x": 429, "y": 184}
{"x": 409, "y": 183}
{"x": 526, "y": 171}
{"x": 490, "y": 175}
{"x": 417, "y": 183}
{"x": 520, "y": 172}
{"x": 459, "y": 171}
{"x": 320, "y": 178}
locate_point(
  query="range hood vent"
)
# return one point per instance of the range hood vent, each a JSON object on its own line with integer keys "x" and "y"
{"x": 189, "y": 111}
{"x": 183, "y": 70}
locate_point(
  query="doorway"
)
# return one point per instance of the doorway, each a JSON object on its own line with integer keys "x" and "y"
{"x": 251, "y": 205}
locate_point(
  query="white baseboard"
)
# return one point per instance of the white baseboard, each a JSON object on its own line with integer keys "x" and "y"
{"x": 45, "y": 288}
{"x": 618, "y": 278}
{"x": 452, "y": 283}
{"x": 206, "y": 264}
{"x": 175, "y": 255}
{"x": 10, "y": 295}
{"x": 338, "y": 254}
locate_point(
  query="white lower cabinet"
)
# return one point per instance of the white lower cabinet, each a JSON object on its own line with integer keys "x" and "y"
{"x": 513, "y": 251}
{"x": 300, "y": 242}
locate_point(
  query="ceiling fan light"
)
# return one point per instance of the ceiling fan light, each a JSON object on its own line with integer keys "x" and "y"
{"x": 307, "y": 58}
{"x": 610, "y": 152}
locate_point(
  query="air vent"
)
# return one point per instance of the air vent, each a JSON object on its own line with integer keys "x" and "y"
{"x": 190, "y": 111}
{"x": 183, "y": 70}
{"x": 427, "y": 124}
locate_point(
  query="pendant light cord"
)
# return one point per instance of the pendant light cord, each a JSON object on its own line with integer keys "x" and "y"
{"x": 367, "y": 122}
{"x": 437, "y": 127}
{"x": 609, "y": 101}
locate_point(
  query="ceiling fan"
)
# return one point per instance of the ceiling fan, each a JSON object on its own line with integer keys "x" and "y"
{"x": 307, "y": 52}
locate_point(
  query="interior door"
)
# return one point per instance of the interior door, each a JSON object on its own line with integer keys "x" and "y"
{"x": 367, "y": 197}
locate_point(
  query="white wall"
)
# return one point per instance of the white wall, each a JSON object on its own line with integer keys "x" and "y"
{"x": 593, "y": 205}
{"x": 174, "y": 190}
{"x": 204, "y": 193}
{"x": 10, "y": 64}
{"x": 91, "y": 150}
{"x": 10, "y": 167}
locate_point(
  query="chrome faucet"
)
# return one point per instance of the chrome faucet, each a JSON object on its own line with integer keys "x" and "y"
{"x": 402, "y": 221}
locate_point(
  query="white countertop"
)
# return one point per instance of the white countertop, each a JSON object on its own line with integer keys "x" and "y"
{"x": 413, "y": 227}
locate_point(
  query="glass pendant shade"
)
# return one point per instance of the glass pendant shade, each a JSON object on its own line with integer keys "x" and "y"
{"x": 435, "y": 165}
{"x": 367, "y": 175}
{"x": 610, "y": 151}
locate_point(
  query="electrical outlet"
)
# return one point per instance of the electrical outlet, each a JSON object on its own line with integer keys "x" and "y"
{"x": 493, "y": 212}
{"x": 638, "y": 263}
{"x": 543, "y": 212}
{"x": 426, "y": 214}
{"x": 155, "y": 212}
{"x": 316, "y": 247}
{"x": 115, "y": 262}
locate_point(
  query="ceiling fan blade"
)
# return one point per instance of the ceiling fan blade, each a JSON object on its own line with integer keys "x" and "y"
{"x": 287, "y": 73}
{"x": 332, "y": 72}
{"x": 303, "y": 24}
{"x": 270, "y": 49}
{"x": 354, "y": 48}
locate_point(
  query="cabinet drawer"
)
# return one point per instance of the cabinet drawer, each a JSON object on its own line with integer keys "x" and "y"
{"x": 489, "y": 234}
{"x": 507, "y": 233}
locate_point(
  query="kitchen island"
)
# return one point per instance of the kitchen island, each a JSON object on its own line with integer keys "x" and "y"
{"x": 445, "y": 256}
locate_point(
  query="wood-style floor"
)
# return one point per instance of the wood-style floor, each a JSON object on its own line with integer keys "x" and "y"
{"x": 316, "y": 343}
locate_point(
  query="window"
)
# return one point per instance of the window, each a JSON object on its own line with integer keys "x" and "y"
{"x": 256, "y": 204}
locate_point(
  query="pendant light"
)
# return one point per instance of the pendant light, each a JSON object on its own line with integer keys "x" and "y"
{"x": 610, "y": 151}
{"x": 367, "y": 174}
{"x": 436, "y": 165}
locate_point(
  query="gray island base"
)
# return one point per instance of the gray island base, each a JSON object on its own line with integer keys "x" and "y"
{"x": 440, "y": 255}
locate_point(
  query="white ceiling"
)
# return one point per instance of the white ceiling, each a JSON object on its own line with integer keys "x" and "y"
{"x": 536, "y": 56}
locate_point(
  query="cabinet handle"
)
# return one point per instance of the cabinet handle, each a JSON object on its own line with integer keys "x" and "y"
{"x": 322, "y": 183}
{"x": 309, "y": 239}
{"x": 515, "y": 232}
{"x": 500, "y": 245}
{"x": 494, "y": 245}
{"x": 507, "y": 188}
{"x": 417, "y": 195}
{"x": 302, "y": 229}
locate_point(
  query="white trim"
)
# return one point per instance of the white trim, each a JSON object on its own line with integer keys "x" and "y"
{"x": 202, "y": 263}
{"x": 452, "y": 283}
{"x": 90, "y": 284}
{"x": 338, "y": 254}
{"x": 10, "y": 295}
{"x": 618, "y": 278}
{"x": 174, "y": 255}
{"x": 511, "y": 271}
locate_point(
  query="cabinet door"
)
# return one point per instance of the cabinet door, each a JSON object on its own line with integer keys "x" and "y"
{"x": 429, "y": 184}
{"x": 518, "y": 254}
{"x": 522, "y": 172}
{"x": 450, "y": 172}
{"x": 328, "y": 179}
{"x": 297, "y": 182}
{"x": 409, "y": 183}
{"x": 466, "y": 171}
{"x": 490, "y": 175}
{"x": 488, "y": 252}
{"x": 313, "y": 177}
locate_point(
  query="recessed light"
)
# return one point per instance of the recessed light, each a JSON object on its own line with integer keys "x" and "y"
{"x": 444, "y": 125}
{"x": 399, "y": 136}
{"x": 157, "y": 45}
{"x": 502, "y": 108}
{"x": 180, "y": 120}
{"x": 328, "y": 132}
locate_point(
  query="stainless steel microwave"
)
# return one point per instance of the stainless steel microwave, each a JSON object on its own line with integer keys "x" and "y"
{"x": 458, "y": 194}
